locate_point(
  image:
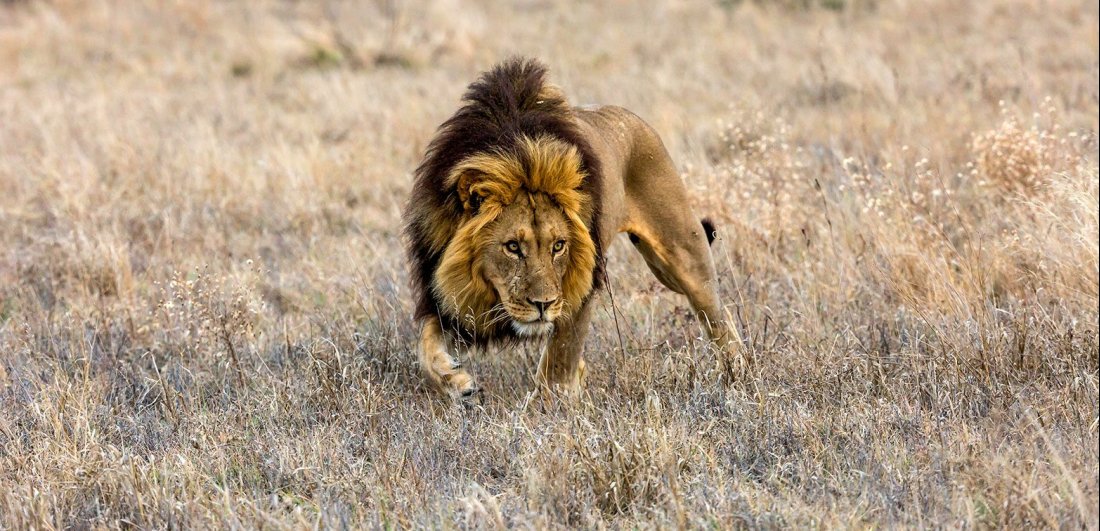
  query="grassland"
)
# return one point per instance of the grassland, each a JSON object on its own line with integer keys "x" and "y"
{"x": 205, "y": 315}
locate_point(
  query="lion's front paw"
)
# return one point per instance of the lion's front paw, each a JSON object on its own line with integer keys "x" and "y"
{"x": 456, "y": 382}
{"x": 563, "y": 383}
{"x": 462, "y": 387}
{"x": 445, "y": 372}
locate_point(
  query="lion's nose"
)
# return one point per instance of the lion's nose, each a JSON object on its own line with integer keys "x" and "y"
{"x": 542, "y": 305}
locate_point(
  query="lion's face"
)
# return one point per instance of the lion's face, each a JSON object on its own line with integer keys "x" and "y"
{"x": 525, "y": 261}
{"x": 521, "y": 254}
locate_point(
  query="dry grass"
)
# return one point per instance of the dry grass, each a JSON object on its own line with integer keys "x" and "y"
{"x": 204, "y": 317}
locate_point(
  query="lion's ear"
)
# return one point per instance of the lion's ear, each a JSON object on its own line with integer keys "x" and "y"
{"x": 475, "y": 202}
{"x": 475, "y": 186}
{"x": 470, "y": 198}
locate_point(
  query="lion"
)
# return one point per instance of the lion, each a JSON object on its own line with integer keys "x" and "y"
{"x": 516, "y": 198}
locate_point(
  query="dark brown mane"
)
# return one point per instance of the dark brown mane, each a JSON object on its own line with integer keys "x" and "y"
{"x": 506, "y": 104}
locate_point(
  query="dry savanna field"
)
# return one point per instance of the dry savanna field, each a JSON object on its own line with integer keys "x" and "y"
{"x": 205, "y": 314}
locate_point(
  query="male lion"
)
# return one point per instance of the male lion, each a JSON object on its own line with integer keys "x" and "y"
{"x": 516, "y": 198}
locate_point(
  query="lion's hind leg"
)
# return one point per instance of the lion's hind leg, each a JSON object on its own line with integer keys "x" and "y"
{"x": 674, "y": 242}
{"x": 442, "y": 370}
{"x": 679, "y": 256}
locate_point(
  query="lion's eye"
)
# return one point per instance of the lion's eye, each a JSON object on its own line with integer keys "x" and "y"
{"x": 559, "y": 246}
{"x": 512, "y": 247}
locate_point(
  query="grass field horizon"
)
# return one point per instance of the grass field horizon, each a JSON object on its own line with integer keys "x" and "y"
{"x": 206, "y": 320}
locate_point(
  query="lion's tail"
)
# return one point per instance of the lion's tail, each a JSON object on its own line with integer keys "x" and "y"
{"x": 709, "y": 229}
